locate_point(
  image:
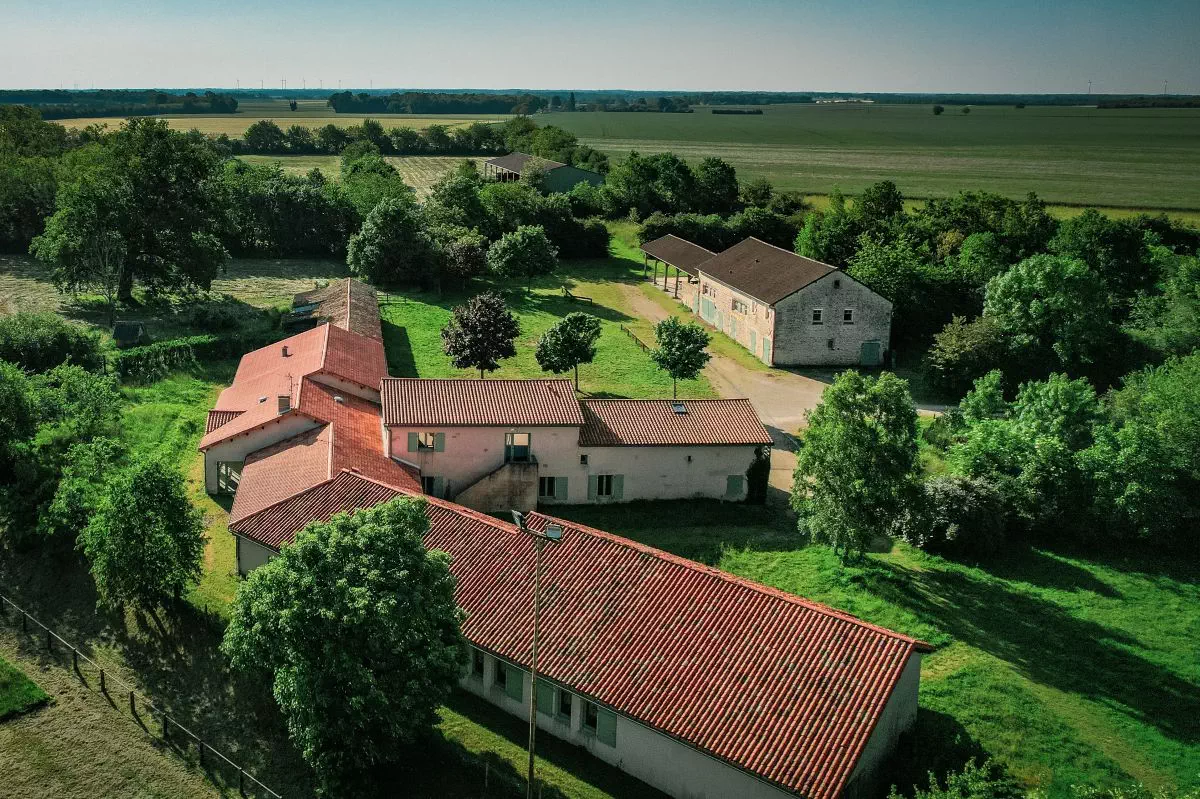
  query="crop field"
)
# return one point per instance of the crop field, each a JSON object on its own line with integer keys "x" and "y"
{"x": 310, "y": 113}
{"x": 418, "y": 171}
{"x": 1142, "y": 158}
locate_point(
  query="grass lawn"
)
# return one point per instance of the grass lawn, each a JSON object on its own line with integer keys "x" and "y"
{"x": 18, "y": 693}
{"x": 1067, "y": 668}
{"x": 412, "y": 325}
{"x": 418, "y": 171}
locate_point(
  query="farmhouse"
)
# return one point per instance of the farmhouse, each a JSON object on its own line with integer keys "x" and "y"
{"x": 699, "y": 683}
{"x": 786, "y": 309}
{"x": 558, "y": 177}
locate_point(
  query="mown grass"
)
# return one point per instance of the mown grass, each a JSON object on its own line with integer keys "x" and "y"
{"x": 18, "y": 693}
{"x": 1123, "y": 158}
{"x": 413, "y": 320}
{"x": 1068, "y": 668}
{"x": 418, "y": 171}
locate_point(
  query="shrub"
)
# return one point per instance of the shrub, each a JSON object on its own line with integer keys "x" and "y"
{"x": 957, "y": 516}
{"x": 38, "y": 342}
{"x": 962, "y": 352}
{"x": 155, "y": 361}
{"x": 988, "y": 781}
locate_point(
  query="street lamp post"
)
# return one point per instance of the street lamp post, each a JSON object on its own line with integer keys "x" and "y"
{"x": 552, "y": 534}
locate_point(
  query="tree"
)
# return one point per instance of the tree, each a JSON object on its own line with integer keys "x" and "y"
{"x": 524, "y": 253}
{"x": 393, "y": 245}
{"x": 716, "y": 187}
{"x": 938, "y": 109}
{"x": 80, "y": 488}
{"x": 880, "y": 202}
{"x": 481, "y": 333}
{"x": 962, "y": 352}
{"x": 988, "y": 781}
{"x": 145, "y": 540}
{"x": 857, "y": 469}
{"x": 570, "y": 342}
{"x": 264, "y": 136}
{"x": 1051, "y": 306}
{"x": 460, "y": 253}
{"x": 571, "y": 101}
{"x": 1115, "y": 249}
{"x": 38, "y": 342}
{"x": 757, "y": 193}
{"x": 682, "y": 350}
{"x": 171, "y": 210}
{"x": 356, "y": 626}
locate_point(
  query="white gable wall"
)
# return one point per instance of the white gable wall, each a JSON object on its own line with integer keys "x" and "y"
{"x": 799, "y": 342}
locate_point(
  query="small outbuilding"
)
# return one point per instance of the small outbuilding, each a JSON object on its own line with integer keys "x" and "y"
{"x": 129, "y": 334}
{"x": 558, "y": 177}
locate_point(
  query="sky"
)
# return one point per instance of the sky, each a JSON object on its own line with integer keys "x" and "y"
{"x": 1048, "y": 46}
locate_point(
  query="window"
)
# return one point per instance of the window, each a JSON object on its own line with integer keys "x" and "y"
{"x": 848, "y": 316}
{"x": 591, "y": 716}
{"x": 583, "y": 460}
{"x": 818, "y": 316}
{"x": 516, "y": 447}
{"x": 501, "y": 678}
{"x": 545, "y": 488}
{"x": 604, "y": 485}
{"x": 564, "y": 705}
{"x": 432, "y": 485}
{"x": 739, "y": 306}
{"x": 426, "y": 442}
{"x": 830, "y": 343}
{"x": 837, "y": 284}
{"x": 477, "y": 664}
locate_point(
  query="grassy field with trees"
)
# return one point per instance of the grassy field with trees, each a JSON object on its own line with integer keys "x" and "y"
{"x": 1140, "y": 158}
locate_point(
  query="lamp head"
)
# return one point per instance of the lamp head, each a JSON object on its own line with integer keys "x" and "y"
{"x": 553, "y": 532}
{"x": 518, "y": 519}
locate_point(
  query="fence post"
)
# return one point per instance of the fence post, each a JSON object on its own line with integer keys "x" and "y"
{"x": 166, "y": 720}
{"x": 49, "y": 640}
{"x": 132, "y": 705}
{"x": 201, "y": 749}
{"x": 103, "y": 687}
{"x": 24, "y": 622}
{"x": 242, "y": 781}
{"x": 75, "y": 659}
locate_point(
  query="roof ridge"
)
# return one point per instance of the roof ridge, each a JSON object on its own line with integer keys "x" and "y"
{"x": 663, "y": 399}
{"x": 733, "y": 578}
{"x": 792, "y": 253}
{"x": 477, "y": 381}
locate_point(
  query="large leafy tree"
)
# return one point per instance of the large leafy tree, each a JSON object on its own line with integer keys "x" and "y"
{"x": 1051, "y": 307}
{"x": 525, "y": 253}
{"x": 857, "y": 470}
{"x": 393, "y": 246}
{"x": 682, "y": 350}
{"x": 169, "y": 211}
{"x": 356, "y": 625}
{"x": 570, "y": 342}
{"x": 481, "y": 333}
{"x": 145, "y": 540}
{"x": 717, "y": 187}
{"x": 1115, "y": 249}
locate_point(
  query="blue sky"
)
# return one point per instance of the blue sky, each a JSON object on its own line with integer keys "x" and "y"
{"x": 870, "y": 45}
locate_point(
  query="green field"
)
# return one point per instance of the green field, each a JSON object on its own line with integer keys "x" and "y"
{"x": 310, "y": 113}
{"x": 418, "y": 171}
{"x": 1145, "y": 158}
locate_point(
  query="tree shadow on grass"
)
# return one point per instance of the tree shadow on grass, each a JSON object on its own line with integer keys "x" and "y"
{"x": 1048, "y": 570}
{"x": 936, "y": 742}
{"x": 1045, "y": 642}
{"x": 400, "y": 358}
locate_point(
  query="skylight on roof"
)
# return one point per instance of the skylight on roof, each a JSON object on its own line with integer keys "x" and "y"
{"x": 678, "y": 407}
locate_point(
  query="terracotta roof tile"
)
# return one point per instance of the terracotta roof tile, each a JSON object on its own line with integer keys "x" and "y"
{"x": 446, "y": 403}
{"x": 515, "y": 162}
{"x": 649, "y": 423}
{"x": 218, "y": 418}
{"x": 349, "y": 304}
{"x": 681, "y": 253}
{"x": 764, "y": 271}
{"x": 783, "y": 688}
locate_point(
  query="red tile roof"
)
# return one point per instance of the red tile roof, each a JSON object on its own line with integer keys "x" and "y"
{"x": 411, "y": 402}
{"x": 650, "y": 423}
{"x": 786, "y": 689}
{"x": 268, "y": 373}
{"x": 218, "y": 418}
{"x": 350, "y": 437}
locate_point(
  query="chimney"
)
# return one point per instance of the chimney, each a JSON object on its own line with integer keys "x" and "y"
{"x": 285, "y": 351}
{"x": 285, "y": 403}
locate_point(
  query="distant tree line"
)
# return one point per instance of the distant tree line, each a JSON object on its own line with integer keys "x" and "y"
{"x": 1148, "y": 101}
{"x": 434, "y": 103}
{"x": 63, "y": 104}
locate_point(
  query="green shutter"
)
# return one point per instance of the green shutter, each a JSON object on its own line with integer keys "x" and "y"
{"x": 413, "y": 442}
{"x": 439, "y": 442}
{"x": 733, "y": 486}
{"x": 606, "y": 726}
{"x": 545, "y": 692}
{"x": 618, "y": 486}
{"x": 560, "y": 489}
{"x": 514, "y": 685}
{"x": 439, "y": 486}
{"x": 593, "y": 485}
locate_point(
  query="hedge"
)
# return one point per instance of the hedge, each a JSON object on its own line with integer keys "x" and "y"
{"x": 156, "y": 361}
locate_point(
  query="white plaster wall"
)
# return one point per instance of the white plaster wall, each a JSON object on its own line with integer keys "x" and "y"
{"x": 472, "y": 452}
{"x": 798, "y": 342}
{"x": 898, "y": 715}
{"x": 238, "y": 447}
{"x": 658, "y": 472}
{"x": 251, "y": 555}
{"x": 658, "y": 760}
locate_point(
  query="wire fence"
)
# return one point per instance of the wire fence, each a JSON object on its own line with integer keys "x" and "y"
{"x": 155, "y": 720}
{"x": 645, "y": 347}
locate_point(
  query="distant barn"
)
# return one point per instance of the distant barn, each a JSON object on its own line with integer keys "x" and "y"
{"x": 558, "y": 177}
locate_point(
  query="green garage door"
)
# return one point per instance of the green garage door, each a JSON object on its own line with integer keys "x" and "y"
{"x": 871, "y": 353}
